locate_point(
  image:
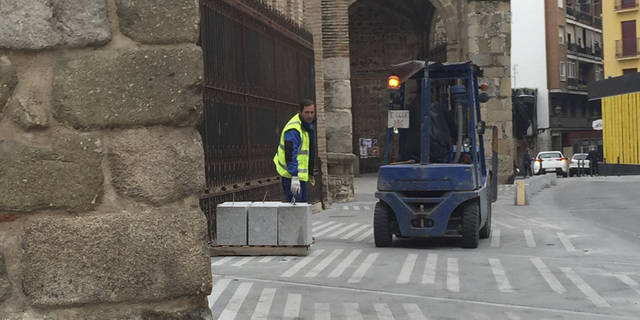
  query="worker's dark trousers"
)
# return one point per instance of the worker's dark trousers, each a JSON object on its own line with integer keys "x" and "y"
{"x": 300, "y": 197}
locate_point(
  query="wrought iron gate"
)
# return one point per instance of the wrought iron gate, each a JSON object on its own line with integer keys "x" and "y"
{"x": 258, "y": 65}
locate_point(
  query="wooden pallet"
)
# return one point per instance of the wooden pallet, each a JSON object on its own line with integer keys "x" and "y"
{"x": 215, "y": 251}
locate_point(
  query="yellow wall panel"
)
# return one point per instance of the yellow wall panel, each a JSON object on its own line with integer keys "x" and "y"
{"x": 621, "y": 128}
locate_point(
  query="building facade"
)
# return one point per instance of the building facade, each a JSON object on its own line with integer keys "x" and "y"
{"x": 622, "y": 39}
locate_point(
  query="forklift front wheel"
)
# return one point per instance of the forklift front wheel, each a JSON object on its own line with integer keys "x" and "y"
{"x": 470, "y": 224}
{"x": 382, "y": 225}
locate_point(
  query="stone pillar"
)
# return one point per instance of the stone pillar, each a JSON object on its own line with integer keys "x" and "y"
{"x": 100, "y": 163}
{"x": 488, "y": 41}
{"x": 337, "y": 99}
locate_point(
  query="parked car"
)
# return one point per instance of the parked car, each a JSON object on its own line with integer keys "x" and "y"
{"x": 579, "y": 164}
{"x": 551, "y": 161}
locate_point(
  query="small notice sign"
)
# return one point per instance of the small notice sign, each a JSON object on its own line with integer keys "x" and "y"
{"x": 398, "y": 119}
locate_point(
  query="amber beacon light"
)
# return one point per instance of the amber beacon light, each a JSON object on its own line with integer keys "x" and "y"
{"x": 393, "y": 83}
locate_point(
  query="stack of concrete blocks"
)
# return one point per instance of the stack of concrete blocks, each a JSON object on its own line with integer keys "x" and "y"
{"x": 263, "y": 224}
{"x": 525, "y": 188}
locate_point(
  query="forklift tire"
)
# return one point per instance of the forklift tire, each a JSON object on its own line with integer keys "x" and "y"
{"x": 382, "y": 225}
{"x": 470, "y": 224}
{"x": 485, "y": 232}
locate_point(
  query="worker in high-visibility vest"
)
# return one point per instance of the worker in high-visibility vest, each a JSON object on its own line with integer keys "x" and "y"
{"x": 296, "y": 152}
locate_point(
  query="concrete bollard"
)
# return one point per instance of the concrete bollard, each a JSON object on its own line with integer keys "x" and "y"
{"x": 521, "y": 193}
{"x": 262, "y": 224}
{"x": 294, "y": 224}
{"x": 231, "y": 223}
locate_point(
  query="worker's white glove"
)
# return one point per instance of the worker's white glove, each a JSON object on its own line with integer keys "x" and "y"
{"x": 295, "y": 185}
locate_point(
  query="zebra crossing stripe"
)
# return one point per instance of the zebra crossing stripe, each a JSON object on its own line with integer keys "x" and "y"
{"x": 502, "y": 224}
{"x": 383, "y": 311}
{"x": 322, "y": 311}
{"x": 292, "y": 307}
{"x": 323, "y": 264}
{"x": 453, "y": 282}
{"x": 296, "y": 267}
{"x": 586, "y": 289}
{"x": 407, "y": 269}
{"x": 345, "y": 207}
{"x": 327, "y": 230}
{"x": 429, "y": 275}
{"x": 315, "y": 223}
{"x": 548, "y": 275}
{"x": 322, "y": 226}
{"x": 345, "y": 263}
{"x": 566, "y": 242}
{"x": 367, "y": 208}
{"x": 354, "y": 232}
{"x": 495, "y": 238}
{"x": 343, "y": 230}
{"x": 531, "y": 241}
{"x": 363, "y": 268}
{"x": 357, "y": 208}
{"x": 413, "y": 311}
{"x": 365, "y": 235}
{"x": 511, "y": 315}
{"x": 352, "y": 311}
{"x": 501, "y": 277}
{"x": 264, "y": 304}
{"x": 222, "y": 261}
{"x": 242, "y": 261}
{"x": 218, "y": 288}
{"x": 628, "y": 281}
{"x": 266, "y": 259}
{"x": 232, "y": 308}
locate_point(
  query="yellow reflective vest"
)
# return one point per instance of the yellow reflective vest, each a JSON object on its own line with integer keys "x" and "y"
{"x": 303, "y": 151}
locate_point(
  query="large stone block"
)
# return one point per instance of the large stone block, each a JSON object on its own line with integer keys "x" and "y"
{"x": 294, "y": 224}
{"x": 63, "y": 175}
{"x": 156, "y": 254}
{"x": 339, "y": 131}
{"x": 8, "y": 81}
{"x": 29, "y": 112}
{"x": 5, "y": 285}
{"x": 202, "y": 313}
{"x": 156, "y": 165}
{"x": 129, "y": 88}
{"x": 159, "y": 21}
{"x": 262, "y": 224}
{"x": 231, "y": 223}
{"x": 39, "y": 24}
{"x": 337, "y": 95}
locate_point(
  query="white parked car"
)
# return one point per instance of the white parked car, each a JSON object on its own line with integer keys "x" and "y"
{"x": 579, "y": 164}
{"x": 551, "y": 161}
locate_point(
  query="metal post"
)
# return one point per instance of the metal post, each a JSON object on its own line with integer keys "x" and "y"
{"x": 425, "y": 125}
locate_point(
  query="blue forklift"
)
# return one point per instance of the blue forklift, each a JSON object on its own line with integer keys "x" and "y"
{"x": 439, "y": 184}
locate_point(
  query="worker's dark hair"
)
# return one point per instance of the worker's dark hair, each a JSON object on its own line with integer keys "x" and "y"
{"x": 305, "y": 102}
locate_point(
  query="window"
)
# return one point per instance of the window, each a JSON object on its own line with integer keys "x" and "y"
{"x": 560, "y": 3}
{"x": 599, "y": 73}
{"x": 561, "y": 35}
{"x": 629, "y": 40}
{"x": 563, "y": 71}
{"x": 571, "y": 74}
{"x": 630, "y": 70}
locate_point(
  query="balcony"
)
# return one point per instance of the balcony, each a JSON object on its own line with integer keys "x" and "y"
{"x": 628, "y": 48}
{"x": 577, "y": 84}
{"x": 594, "y": 52}
{"x": 584, "y": 17}
{"x": 622, "y": 5}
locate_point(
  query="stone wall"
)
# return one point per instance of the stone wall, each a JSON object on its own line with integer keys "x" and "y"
{"x": 100, "y": 164}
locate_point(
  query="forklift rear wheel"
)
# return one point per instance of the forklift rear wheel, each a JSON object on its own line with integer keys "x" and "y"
{"x": 485, "y": 232}
{"x": 382, "y": 225}
{"x": 470, "y": 224}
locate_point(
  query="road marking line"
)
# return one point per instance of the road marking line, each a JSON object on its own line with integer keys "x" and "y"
{"x": 352, "y": 311}
{"x": 502, "y": 224}
{"x": 218, "y": 288}
{"x": 354, "y": 232}
{"x": 242, "y": 261}
{"x": 544, "y": 224}
{"x": 292, "y": 306}
{"x": 323, "y": 263}
{"x": 322, "y": 226}
{"x": 345, "y": 263}
{"x": 367, "y": 208}
{"x": 383, "y": 311}
{"x": 264, "y": 304}
{"x": 531, "y": 241}
{"x": 345, "y": 208}
{"x": 232, "y": 308}
{"x": 222, "y": 261}
{"x": 413, "y": 311}
{"x": 357, "y": 208}
{"x": 322, "y": 311}
{"x": 453, "y": 282}
{"x": 588, "y": 291}
{"x": 628, "y": 281}
{"x": 429, "y": 275}
{"x": 266, "y": 259}
{"x": 511, "y": 315}
{"x": 343, "y": 230}
{"x": 295, "y": 268}
{"x": 566, "y": 242}
{"x": 327, "y": 230}
{"x": 548, "y": 276}
{"x": 495, "y": 238}
{"x": 407, "y": 268}
{"x": 315, "y": 223}
{"x": 356, "y": 277}
{"x": 501, "y": 277}
{"x": 364, "y": 236}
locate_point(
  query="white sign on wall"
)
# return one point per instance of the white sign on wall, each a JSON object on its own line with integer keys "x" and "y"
{"x": 398, "y": 119}
{"x": 597, "y": 124}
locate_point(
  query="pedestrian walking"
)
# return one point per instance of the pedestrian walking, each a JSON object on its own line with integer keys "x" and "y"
{"x": 526, "y": 164}
{"x": 593, "y": 158}
{"x": 296, "y": 153}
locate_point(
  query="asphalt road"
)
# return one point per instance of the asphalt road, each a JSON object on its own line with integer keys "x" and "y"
{"x": 571, "y": 254}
